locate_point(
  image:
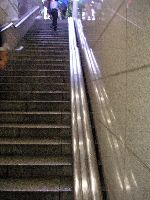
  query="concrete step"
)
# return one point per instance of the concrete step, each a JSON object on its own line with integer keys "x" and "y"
{"x": 36, "y": 117}
{"x": 22, "y": 65}
{"x": 35, "y": 95}
{"x": 41, "y": 51}
{"x": 32, "y": 79}
{"x": 35, "y": 147}
{"x": 45, "y": 35}
{"x": 38, "y": 56}
{"x": 45, "y": 28}
{"x": 41, "y": 60}
{"x": 29, "y": 61}
{"x": 52, "y": 184}
{"x": 48, "y": 45}
{"x": 43, "y": 195}
{"x": 37, "y": 74}
{"x": 34, "y": 86}
{"x": 47, "y": 42}
{"x": 46, "y": 39}
{"x": 31, "y": 166}
{"x": 34, "y": 131}
{"x": 25, "y": 106}
{"x": 44, "y": 48}
{"x": 49, "y": 31}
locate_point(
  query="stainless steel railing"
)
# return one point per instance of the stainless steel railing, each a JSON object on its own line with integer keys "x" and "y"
{"x": 6, "y": 26}
{"x": 95, "y": 72}
{"x": 12, "y": 24}
{"x": 86, "y": 176}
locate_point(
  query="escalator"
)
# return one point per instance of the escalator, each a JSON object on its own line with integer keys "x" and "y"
{"x": 35, "y": 117}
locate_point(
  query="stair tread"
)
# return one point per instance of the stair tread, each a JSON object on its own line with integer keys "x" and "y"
{"x": 37, "y": 84}
{"x": 40, "y": 70}
{"x": 37, "y": 92}
{"x": 12, "y": 125}
{"x": 36, "y": 184}
{"x": 34, "y": 113}
{"x": 38, "y": 141}
{"x": 34, "y": 76}
{"x": 36, "y": 160}
{"x": 30, "y": 101}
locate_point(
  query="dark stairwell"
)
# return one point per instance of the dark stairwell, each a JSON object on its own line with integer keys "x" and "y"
{"x": 35, "y": 118}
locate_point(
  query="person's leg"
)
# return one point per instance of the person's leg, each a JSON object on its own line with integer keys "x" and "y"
{"x": 55, "y": 16}
{"x": 64, "y": 10}
{"x": 52, "y": 14}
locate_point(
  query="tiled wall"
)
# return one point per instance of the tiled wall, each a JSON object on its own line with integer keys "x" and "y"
{"x": 11, "y": 11}
{"x": 120, "y": 39}
{"x": 8, "y": 11}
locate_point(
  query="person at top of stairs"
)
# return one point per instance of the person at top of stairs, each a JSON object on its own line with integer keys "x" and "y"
{"x": 54, "y": 13}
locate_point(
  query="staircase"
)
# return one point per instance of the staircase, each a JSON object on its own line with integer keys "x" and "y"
{"x": 35, "y": 118}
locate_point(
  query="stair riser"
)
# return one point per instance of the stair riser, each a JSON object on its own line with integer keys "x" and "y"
{"x": 47, "y": 30}
{"x": 43, "y": 36}
{"x": 34, "y": 56}
{"x": 34, "y": 87}
{"x": 35, "y": 106}
{"x": 46, "y": 46}
{"x": 58, "y": 44}
{"x": 36, "y": 195}
{"x": 47, "y": 74}
{"x": 46, "y": 39}
{"x": 35, "y": 132}
{"x": 35, "y": 96}
{"x": 18, "y": 171}
{"x": 36, "y": 118}
{"x": 46, "y": 27}
{"x": 28, "y": 79}
{"x": 48, "y": 61}
{"x": 35, "y": 150}
{"x": 32, "y": 66}
{"x": 40, "y": 52}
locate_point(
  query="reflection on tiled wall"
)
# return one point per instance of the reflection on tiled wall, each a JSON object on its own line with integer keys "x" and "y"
{"x": 120, "y": 39}
{"x": 12, "y": 10}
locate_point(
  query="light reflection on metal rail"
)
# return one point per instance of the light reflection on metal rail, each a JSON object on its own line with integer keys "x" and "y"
{"x": 6, "y": 26}
{"x": 75, "y": 137}
{"x": 86, "y": 176}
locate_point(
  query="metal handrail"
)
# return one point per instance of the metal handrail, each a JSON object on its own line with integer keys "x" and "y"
{"x": 6, "y": 26}
{"x": 88, "y": 52}
{"x": 86, "y": 176}
{"x": 75, "y": 138}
